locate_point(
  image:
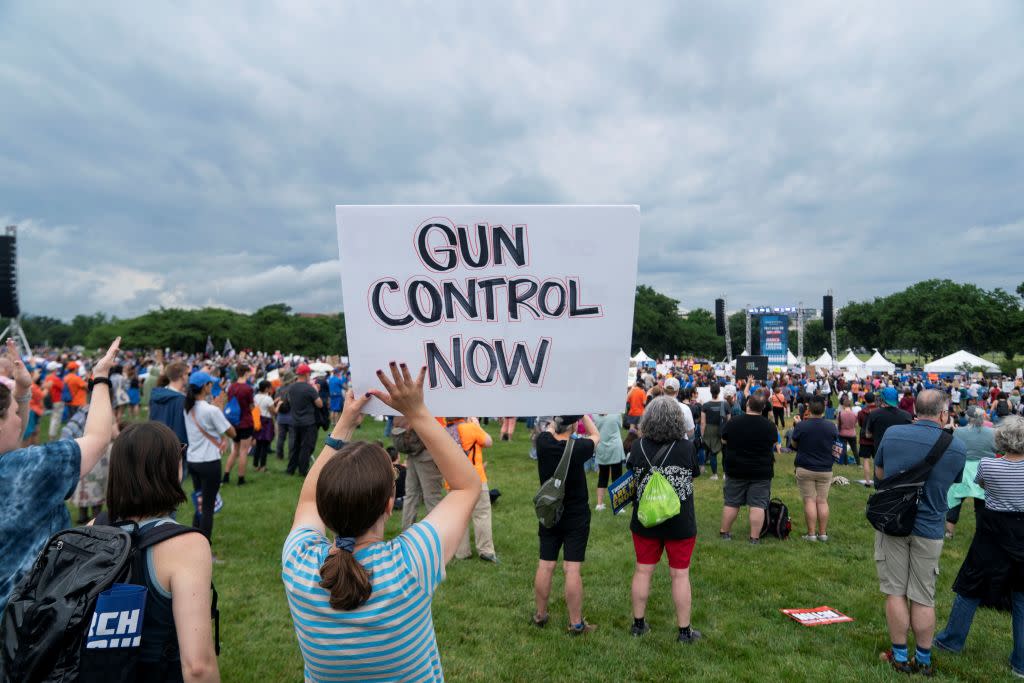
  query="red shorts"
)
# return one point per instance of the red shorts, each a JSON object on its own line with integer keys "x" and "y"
{"x": 648, "y": 550}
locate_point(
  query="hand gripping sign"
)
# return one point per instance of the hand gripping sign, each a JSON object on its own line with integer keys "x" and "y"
{"x": 514, "y": 310}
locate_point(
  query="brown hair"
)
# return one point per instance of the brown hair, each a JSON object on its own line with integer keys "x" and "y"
{"x": 174, "y": 372}
{"x": 756, "y": 402}
{"x": 351, "y": 494}
{"x": 241, "y": 370}
{"x": 5, "y": 399}
{"x": 144, "y": 478}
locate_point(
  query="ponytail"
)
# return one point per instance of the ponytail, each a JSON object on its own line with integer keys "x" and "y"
{"x": 191, "y": 396}
{"x": 346, "y": 580}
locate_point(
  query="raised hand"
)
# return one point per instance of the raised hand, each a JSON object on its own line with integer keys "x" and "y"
{"x": 401, "y": 392}
{"x": 22, "y": 379}
{"x": 104, "y": 365}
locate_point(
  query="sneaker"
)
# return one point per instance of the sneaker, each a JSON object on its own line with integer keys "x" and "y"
{"x": 923, "y": 669}
{"x": 488, "y": 557}
{"x": 539, "y": 621}
{"x": 725, "y": 535}
{"x": 689, "y": 638}
{"x": 937, "y": 644}
{"x": 637, "y": 631}
{"x": 582, "y": 629}
{"x": 226, "y": 479}
{"x": 754, "y": 541}
{"x": 600, "y": 507}
{"x": 714, "y": 477}
{"x": 898, "y": 667}
{"x": 823, "y": 538}
{"x": 241, "y": 481}
{"x": 809, "y": 537}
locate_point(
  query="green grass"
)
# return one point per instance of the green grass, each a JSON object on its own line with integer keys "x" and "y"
{"x": 481, "y": 611}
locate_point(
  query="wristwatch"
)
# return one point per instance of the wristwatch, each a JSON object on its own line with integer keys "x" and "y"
{"x": 336, "y": 444}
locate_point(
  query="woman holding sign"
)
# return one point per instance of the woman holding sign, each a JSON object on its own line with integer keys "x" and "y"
{"x": 662, "y": 448}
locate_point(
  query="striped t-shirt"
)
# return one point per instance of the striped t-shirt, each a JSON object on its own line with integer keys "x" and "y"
{"x": 388, "y": 638}
{"x": 1003, "y": 483}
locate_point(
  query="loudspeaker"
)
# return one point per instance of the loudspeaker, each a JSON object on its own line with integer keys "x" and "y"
{"x": 826, "y": 312}
{"x": 8, "y": 277}
{"x": 720, "y": 317}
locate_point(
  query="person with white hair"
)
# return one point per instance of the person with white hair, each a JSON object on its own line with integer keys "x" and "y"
{"x": 995, "y": 562}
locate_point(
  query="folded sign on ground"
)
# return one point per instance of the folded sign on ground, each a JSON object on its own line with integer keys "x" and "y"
{"x": 514, "y": 310}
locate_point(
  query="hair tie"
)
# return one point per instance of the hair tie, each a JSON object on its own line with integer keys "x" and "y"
{"x": 346, "y": 543}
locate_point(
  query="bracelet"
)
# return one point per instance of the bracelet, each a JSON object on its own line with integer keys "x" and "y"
{"x": 24, "y": 398}
{"x": 100, "y": 380}
{"x": 336, "y": 444}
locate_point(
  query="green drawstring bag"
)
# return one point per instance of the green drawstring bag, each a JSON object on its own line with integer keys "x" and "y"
{"x": 659, "y": 501}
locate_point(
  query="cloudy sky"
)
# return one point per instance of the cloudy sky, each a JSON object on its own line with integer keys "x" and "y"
{"x": 190, "y": 154}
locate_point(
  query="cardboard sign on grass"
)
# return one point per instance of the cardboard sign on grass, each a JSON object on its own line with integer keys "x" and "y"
{"x": 514, "y": 310}
{"x": 816, "y": 616}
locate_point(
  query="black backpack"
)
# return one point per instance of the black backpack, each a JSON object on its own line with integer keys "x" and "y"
{"x": 53, "y": 609}
{"x": 1002, "y": 408}
{"x": 776, "y": 520}
{"x": 892, "y": 509}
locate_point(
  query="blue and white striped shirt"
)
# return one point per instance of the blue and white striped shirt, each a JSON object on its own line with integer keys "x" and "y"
{"x": 388, "y": 638}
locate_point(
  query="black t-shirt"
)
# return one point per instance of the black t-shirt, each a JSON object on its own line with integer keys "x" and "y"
{"x": 749, "y": 447}
{"x": 716, "y": 411}
{"x": 679, "y": 466}
{"x": 814, "y": 438}
{"x": 549, "y": 451}
{"x": 882, "y": 418}
{"x": 301, "y": 398}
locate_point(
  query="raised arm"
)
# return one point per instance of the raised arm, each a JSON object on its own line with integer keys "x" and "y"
{"x": 22, "y": 381}
{"x": 592, "y": 431}
{"x": 451, "y": 516}
{"x": 100, "y": 422}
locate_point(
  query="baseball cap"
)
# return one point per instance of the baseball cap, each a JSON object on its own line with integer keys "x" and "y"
{"x": 303, "y": 369}
{"x": 199, "y": 379}
{"x": 672, "y": 384}
{"x": 891, "y": 396}
{"x": 72, "y": 366}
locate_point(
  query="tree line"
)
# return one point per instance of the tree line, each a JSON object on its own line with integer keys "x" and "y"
{"x": 933, "y": 317}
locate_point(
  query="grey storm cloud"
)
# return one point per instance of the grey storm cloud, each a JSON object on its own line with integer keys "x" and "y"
{"x": 190, "y": 154}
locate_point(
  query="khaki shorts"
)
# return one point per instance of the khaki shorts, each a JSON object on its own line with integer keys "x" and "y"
{"x": 813, "y": 484}
{"x": 908, "y": 565}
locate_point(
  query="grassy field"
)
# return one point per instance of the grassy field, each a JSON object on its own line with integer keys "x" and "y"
{"x": 481, "y": 612}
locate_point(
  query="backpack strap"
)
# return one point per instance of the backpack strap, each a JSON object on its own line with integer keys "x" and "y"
{"x": 216, "y": 444}
{"x": 662, "y": 454}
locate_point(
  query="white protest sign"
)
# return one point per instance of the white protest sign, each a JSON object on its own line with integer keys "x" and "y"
{"x": 514, "y": 310}
{"x": 703, "y": 394}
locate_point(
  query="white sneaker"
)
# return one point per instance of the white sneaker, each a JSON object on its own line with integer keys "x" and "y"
{"x": 600, "y": 507}
{"x": 809, "y": 537}
{"x": 714, "y": 477}
{"x": 823, "y": 538}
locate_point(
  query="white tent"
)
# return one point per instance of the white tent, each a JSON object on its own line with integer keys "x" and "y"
{"x": 825, "y": 361}
{"x": 956, "y": 362}
{"x": 791, "y": 360}
{"x": 642, "y": 357}
{"x": 878, "y": 363}
{"x": 850, "y": 361}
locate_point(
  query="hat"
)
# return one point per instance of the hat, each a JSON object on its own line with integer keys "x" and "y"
{"x": 303, "y": 369}
{"x": 72, "y": 366}
{"x": 890, "y": 396}
{"x": 52, "y": 366}
{"x": 672, "y": 384}
{"x": 199, "y": 379}
{"x": 287, "y": 377}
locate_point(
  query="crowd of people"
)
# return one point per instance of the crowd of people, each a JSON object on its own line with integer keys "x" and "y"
{"x": 361, "y": 603}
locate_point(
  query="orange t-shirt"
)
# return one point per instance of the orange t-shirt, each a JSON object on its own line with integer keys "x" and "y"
{"x": 778, "y": 400}
{"x": 35, "y": 404}
{"x": 636, "y": 400}
{"x": 76, "y": 385}
{"x": 473, "y": 438}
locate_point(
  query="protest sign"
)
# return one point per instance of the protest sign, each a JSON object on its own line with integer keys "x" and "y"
{"x": 816, "y": 616}
{"x": 703, "y": 394}
{"x": 622, "y": 491}
{"x": 513, "y": 310}
{"x": 1008, "y": 386}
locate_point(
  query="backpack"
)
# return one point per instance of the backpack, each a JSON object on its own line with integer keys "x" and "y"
{"x": 549, "y": 503}
{"x": 86, "y": 585}
{"x": 776, "y": 520}
{"x": 233, "y": 411}
{"x": 659, "y": 501}
{"x": 408, "y": 442}
{"x": 892, "y": 509}
{"x": 1002, "y": 408}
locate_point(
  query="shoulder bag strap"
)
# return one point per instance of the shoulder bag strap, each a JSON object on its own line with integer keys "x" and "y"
{"x": 562, "y": 470}
{"x": 938, "y": 449}
{"x": 216, "y": 444}
{"x": 663, "y": 451}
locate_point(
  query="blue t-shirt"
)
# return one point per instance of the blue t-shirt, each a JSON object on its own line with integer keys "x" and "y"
{"x": 388, "y": 638}
{"x": 814, "y": 437}
{"x": 902, "y": 447}
{"x": 336, "y": 388}
{"x": 34, "y": 483}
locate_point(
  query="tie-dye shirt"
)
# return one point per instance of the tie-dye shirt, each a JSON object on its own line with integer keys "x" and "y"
{"x": 34, "y": 483}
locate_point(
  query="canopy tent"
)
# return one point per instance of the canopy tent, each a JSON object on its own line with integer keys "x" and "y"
{"x": 791, "y": 360}
{"x": 957, "y": 361}
{"x": 641, "y": 358}
{"x": 878, "y": 363}
{"x": 850, "y": 361}
{"x": 824, "y": 361}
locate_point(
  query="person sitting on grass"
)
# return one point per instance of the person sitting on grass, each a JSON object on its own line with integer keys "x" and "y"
{"x": 572, "y": 531}
{"x": 662, "y": 429}
{"x": 360, "y": 604}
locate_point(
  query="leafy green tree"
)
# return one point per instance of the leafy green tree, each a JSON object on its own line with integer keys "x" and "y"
{"x": 657, "y": 326}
